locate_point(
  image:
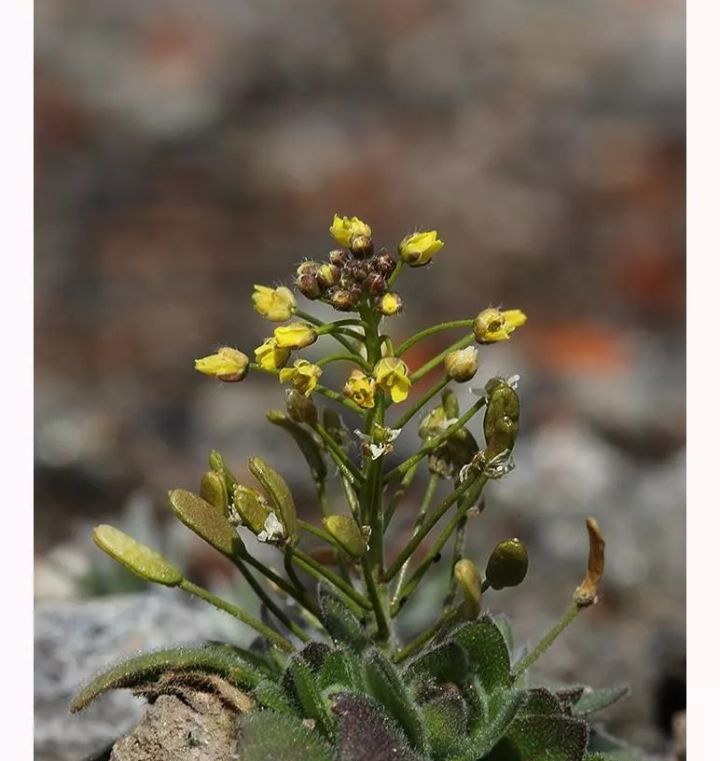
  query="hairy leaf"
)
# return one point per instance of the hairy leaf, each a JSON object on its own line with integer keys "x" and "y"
{"x": 341, "y": 623}
{"x": 502, "y": 708}
{"x": 487, "y": 652}
{"x": 551, "y": 738}
{"x": 342, "y": 668}
{"x": 147, "y": 667}
{"x": 445, "y": 719}
{"x": 386, "y": 686}
{"x": 366, "y": 732}
{"x": 265, "y": 735}
{"x": 596, "y": 700}
{"x": 269, "y": 694}
{"x": 307, "y": 694}
{"x": 541, "y": 701}
{"x": 447, "y": 662}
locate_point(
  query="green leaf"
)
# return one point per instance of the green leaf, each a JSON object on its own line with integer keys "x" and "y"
{"x": 264, "y": 735}
{"x": 445, "y": 720}
{"x": 269, "y": 694}
{"x": 136, "y": 557}
{"x": 541, "y": 701}
{"x": 339, "y": 621}
{"x": 502, "y": 709}
{"x": 550, "y": 738}
{"x": 596, "y": 700}
{"x": 386, "y": 686}
{"x": 487, "y": 652}
{"x": 307, "y": 694}
{"x": 279, "y": 495}
{"x": 503, "y": 623}
{"x": 305, "y": 441}
{"x": 367, "y": 733}
{"x": 206, "y": 521}
{"x": 147, "y": 667}
{"x": 447, "y": 662}
{"x": 343, "y": 669}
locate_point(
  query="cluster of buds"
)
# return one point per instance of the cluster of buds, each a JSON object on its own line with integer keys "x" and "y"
{"x": 350, "y": 274}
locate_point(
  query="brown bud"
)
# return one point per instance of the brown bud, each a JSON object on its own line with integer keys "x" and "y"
{"x": 361, "y": 246}
{"x": 347, "y": 278}
{"x": 308, "y": 285}
{"x": 375, "y": 283}
{"x": 308, "y": 267}
{"x": 338, "y": 257}
{"x": 359, "y": 271}
{"x": 356, "y": 291}
{"x": 384, "y": 263}
{"x": 342, "y": 300}
{"x": 328, "y": 275}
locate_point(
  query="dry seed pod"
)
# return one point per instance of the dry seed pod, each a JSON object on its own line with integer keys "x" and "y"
{"x": 586, "y": 593}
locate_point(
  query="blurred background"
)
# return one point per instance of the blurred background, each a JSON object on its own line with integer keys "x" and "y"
{"x": 185, "y": 151}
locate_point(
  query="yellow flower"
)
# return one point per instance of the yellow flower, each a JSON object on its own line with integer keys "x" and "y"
{"x": 418, "y": 249}
{"x": 227, "y": 364}
{"x": 392, "y": 375}
{"x": 303, "y": 375}
{"x": 277, "y": 304}
{"x": 296, "y": 335}
{"x": 344, "y": 229}
{"x": 270, "y": 356}
{"x": 361, "y": 389}
{"x": 390, "y": 304}
{"x": 493, "y": 325}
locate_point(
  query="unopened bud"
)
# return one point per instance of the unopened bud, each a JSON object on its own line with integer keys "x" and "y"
{"x": 339, "y": 257}
{"x": 308, "y": 285}
{"x": 361, "y": 246}
{"x": 390, "y": 304}
{"x": 227, "y": 364}
{"x": 462, "y": 364}
{"x": 507, "y": 565}
{"x": 328, "y": 275}
{"x": 308, "y": 267}
{"x": 384, "y": 263}
{"x": 375, "y": 283}
{"x": 342, "y": 300}
{"x": 301, "y": 408}
{"x": 586, "y": 593}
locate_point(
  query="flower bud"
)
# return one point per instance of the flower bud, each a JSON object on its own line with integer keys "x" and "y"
{"x": 227, "y": 364}
{"x": 393, "y": 376}
{"x": 277, "y": 304}
{"x": 493, "y": 325}
{"x": 270, "y": 356}
{"x": 361, "y": 389}
{"x": 390, "y": 304}
{"x": 375, "y": 283}
{"x": 308, "y": 267}
{"x": 338, "y": 257}
{"x": 344, "y": 229}
{"x": 303, "y": 375}
{"x": 358, "y": 271}
{"x": 308, "y": 285}
{"x": 296, "y": 335}
{"x": 328, "y": 275}
{"x": 383, "y": 263}
{"x": 462, "y": 364}
{"x": 342, "y": 300}
{"x": 469, "y": 584}
{"x": 213, "y": 490}
{"x": 507, "y": 565}
{"x": 586, "y": 593}
{"x": 301, "y": 408}
{"x": 419, "y": 248}
{"x": 141, "y": 560}
{"x": 347, "y": 534}
{"x": 361, "y": 246}
{"x": 347, "y": 277}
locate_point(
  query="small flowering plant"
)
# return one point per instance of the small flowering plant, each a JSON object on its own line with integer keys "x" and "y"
{"x": 329, "y": 675}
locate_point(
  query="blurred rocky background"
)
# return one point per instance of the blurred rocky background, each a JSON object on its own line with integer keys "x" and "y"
{"x": 187, "y": 150}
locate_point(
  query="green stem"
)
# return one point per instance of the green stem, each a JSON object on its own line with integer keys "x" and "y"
{"x": 458, "y": 549}
{"x": 421, "y": 402}
{"x": 348, "y": 469}
{"x": 432, "y": 486}
{"x": 320, "y": 533}
{"x": 400, "y": 493}
{"x": 428, "y": 525}
{"x": 547, "y": 640}
{"x": 361, "y": 363}
{"x": 316, "y": 321}
{"x": 427, "y": 634}
{"x": 271, "y": 605}
{"x": 318, "y": 570}
{"x": 395, "y": 273}
{"x": 435, "y": 361}
{"x": 430, "y": 332}
{"x": 337, "y": 397}
{"x": 298, "y": 592}
{"x": 276, "y": 639}
{"x": 433, "y": 443}
{"x": 383, "y": 630}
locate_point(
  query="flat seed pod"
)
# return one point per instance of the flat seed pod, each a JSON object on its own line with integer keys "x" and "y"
{"x": 206, "y": 521}
{"x": 279, "y": 494}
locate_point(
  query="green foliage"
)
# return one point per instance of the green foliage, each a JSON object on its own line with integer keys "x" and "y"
{"x": 330, "y": 678}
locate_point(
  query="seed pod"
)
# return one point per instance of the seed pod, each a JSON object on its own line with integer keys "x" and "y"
{"x": 306, "y": 442}
{"x": 251, "y": 508}
{"x": 507, "y": 565}
{"x": 450, "y": 403}
{"x": 308, "y": 285}
{"x": 279, "y": 495}
{"x": 214, "y": 490}
{"x": 301, "y": 408}
{"x": 206, "y": 521}
{"x": 347, "y": 534}
{"x": 339, "y": 257}
{"x": 469, "y": 583}
{"x": 500, "y": 424}
{"x": 217, "y": 464}
{"x": 136, "y": 557}
{"x": 361, "y": 246}
{"x": 586, "y": 593}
